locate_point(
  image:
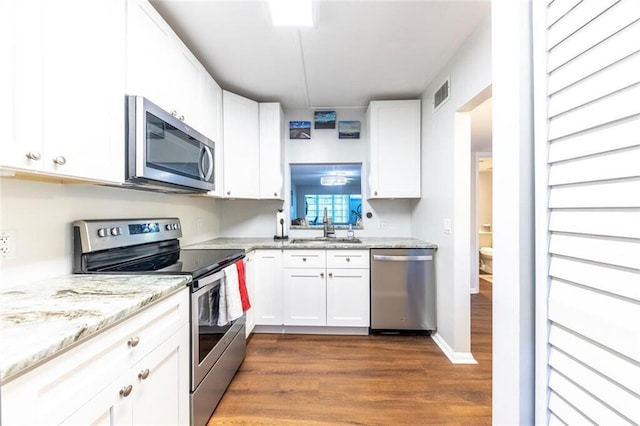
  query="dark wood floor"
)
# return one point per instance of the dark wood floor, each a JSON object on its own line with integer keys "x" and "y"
{"x": 366, "y": 380}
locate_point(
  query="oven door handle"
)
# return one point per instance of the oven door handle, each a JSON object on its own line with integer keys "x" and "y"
{"x": 205, "y": 284}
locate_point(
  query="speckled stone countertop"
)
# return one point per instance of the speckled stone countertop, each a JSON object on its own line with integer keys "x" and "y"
{"x": 40, "y": 319}
{"x": 269, "y": 243}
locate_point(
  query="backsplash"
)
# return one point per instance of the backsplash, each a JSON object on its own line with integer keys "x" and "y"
{"x": 40, "y": 214}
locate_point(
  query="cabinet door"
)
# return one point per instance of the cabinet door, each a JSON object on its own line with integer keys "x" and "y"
{"x": 21, "y": 122}
{"x": 305, "y": 296}
{"x": 348, "y": 297}
{"x": 394, "y": 149}
{"x": 271, "y": 151}
{"x": 83, "y": 108}
{"x": 107, "y": 408}
{"x": 212, "y": 127}
{"x": 148, "y": 50}
{"x": 267, "y": 279}
{"x": 241, "y": 146}
{"x": 160, "y": 382}
{"x": 250, "y": 276}
{"x": 185, "y": 74}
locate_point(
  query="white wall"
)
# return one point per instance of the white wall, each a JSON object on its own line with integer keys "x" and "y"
{"x": 470, "y": 74}
{"x": 242, "y": 218}
{"x": 41, "y": 214}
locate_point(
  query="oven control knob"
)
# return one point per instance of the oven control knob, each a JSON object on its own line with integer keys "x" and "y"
{"x": 168, "y": 227}
{"x": 115, "y": 231}
{"x": 176, "y": 226}
{"x": 102, "y": 232}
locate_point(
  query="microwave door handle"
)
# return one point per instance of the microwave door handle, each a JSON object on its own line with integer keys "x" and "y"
{"x": 206, "y": 151}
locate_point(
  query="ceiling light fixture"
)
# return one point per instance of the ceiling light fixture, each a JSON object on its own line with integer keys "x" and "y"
{"x": 291, "y": 13}
{"x": 333, "y": 180}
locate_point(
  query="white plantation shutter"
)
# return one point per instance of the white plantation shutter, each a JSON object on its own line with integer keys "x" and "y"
{"x": 592, "y": 294}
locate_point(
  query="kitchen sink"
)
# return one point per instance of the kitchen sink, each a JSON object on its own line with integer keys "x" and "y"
{"x": 324, "y": 240}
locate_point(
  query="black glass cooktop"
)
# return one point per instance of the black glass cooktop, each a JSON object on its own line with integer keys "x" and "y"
{"x": 194, "y": 262}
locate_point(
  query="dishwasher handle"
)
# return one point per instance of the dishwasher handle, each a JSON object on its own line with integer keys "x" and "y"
{"x": 401, "y": 258}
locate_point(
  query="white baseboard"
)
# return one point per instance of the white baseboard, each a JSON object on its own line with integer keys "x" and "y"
{"x": 454, "y": 357}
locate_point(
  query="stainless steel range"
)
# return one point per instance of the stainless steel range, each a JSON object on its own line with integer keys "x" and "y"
{"x": 151, "y": 246}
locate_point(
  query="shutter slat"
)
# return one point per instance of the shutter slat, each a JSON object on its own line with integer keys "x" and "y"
{"x": 623, "y": 253}
{"x": 558, "y": 9}
{"x": 603, "y": 139}
{"x": 577, "y": 17}
{"x": 610, "y": 51}
{"x": 614, "y": 165}
{"x": 620, "y": 75}
{"x": 606, "y": 110}
{"x": 564, "y": 413}
{"x": 621, "y": 282}
{"x": 607, "y": 363}
{"x": 595, "y": 411}
{"x": 610, "y": 321}
{"x": 596, "y": 195}
{"x": 615, "y": 396}
{"x": 613, "y": 20}
{"x": 615, "y": 223}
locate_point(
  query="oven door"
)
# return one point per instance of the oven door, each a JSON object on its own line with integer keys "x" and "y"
{"x": 208, "y": 340}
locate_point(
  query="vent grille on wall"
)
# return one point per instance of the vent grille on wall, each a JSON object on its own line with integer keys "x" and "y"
{"x": 441, "y": 95}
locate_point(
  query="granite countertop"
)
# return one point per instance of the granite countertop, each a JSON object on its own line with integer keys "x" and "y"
{"x": 269, "y": 243}
{"x": 40, "y": 319}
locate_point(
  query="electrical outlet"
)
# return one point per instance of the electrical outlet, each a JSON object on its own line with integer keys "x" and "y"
{"x": 8, "y": 244}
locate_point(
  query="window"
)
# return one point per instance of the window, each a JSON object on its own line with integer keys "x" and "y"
{"x": 343, "y": 209}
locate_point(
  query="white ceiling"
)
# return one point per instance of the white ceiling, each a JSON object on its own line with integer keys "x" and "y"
{"x": 357, "y": 51}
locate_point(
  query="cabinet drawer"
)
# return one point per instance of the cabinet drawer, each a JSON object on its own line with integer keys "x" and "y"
{"x": 51, "y": 392}
{"x": 347, "y": 258}
{"x": 304, "y": 259}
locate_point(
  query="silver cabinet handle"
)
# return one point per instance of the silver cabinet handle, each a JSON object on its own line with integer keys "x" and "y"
{"x": 126, "y": 391}
{"x": 228, "y": 192}
{"x": 375, "y": 193}
{"x": 174, "y": 112}
{"x": 304, "y": 259}
{"x": 60, "y": 160}
{"x": 321, "y": 274}
{"x": 401, "y": 258}
{"x": 33, "y": 155}
{"x": 348, "y": 259}
{"x": 181, "y": 118}
{"x": 275, "y": 194}
{"x": 330, "y": 274}
{"x": 133, "y": 341}
{"x": 142, "y": 375}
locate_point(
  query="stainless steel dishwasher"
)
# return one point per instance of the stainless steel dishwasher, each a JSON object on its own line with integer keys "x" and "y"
{"x": 403, "y": 290}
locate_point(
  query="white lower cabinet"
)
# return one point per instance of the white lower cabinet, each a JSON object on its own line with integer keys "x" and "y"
{"x": 267, "y": 281}
{"x": 305, "y": 292}
{"x": 134, "y": 373}
{"x": 326, "y": 288}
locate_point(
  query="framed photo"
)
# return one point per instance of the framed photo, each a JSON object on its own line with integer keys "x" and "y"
{"x": 324, "y": 119}
{"x": 348, "y": 130}
{"x": 299, "y": 130}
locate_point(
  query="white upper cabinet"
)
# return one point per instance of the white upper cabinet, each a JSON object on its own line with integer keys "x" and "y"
{"x": 271, "y": 151}
{"x": 241, "y": 146}
{"x": 161, "y": 68}
{"x": 67, "y": 79}
{"x": 394, "y": 149}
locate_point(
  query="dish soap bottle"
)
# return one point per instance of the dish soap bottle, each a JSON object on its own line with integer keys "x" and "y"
{"x": 350, "y": 233}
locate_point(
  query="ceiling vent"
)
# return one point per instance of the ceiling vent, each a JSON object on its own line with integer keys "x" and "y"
{"x": 441, "y": 95}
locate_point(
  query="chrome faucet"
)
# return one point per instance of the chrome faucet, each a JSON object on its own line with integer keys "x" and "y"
{"x": 329, "y": 229}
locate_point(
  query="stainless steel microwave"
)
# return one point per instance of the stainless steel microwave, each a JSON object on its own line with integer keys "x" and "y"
{"x": 163, "y": 153}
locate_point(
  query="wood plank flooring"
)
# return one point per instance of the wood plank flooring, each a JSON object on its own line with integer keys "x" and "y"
{"x": 365, "y": 380}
